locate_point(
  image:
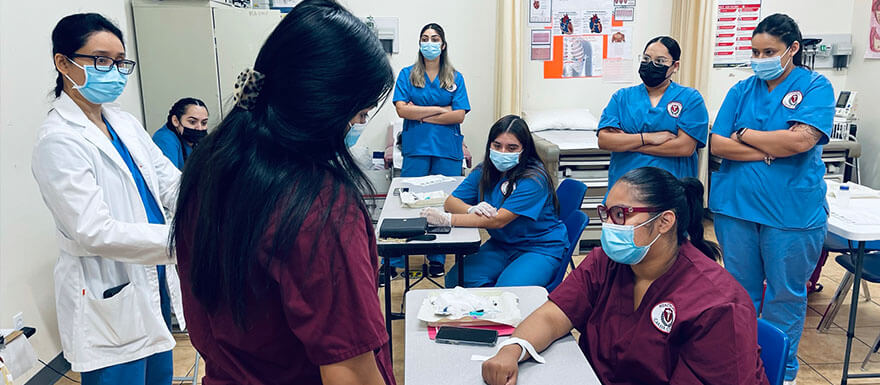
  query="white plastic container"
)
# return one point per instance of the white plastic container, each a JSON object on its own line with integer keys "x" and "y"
{"x": 843, "y": 196}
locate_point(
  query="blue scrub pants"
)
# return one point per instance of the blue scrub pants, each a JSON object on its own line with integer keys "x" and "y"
{"x": 157, "y": 369}
{"x": 415, "y": 166}
{"x": 785, "y": 259}
{"x": 495, "y": 265}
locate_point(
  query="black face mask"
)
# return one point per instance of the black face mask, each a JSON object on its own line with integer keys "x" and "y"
{"x": 192, "y": 135}
{"x": 652, "y": 75}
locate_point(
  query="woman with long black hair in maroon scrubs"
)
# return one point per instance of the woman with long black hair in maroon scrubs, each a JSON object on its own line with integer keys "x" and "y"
{"x": 652, "y": 305}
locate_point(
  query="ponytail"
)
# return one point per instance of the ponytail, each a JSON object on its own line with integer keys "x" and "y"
{"x": 693, "y": 191}
{"x": 660, "y": 189}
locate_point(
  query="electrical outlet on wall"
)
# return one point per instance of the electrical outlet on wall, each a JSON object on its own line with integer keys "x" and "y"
{"x": 18, "y": 321}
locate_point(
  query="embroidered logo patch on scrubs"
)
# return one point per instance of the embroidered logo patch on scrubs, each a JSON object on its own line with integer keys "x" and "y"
{"x": 452, "y": 87}
{"x": 663, "y": 316}
{"x": 504, "y": 187}
{"x": 674, "y": 109}
{"x": 792, "y": 99}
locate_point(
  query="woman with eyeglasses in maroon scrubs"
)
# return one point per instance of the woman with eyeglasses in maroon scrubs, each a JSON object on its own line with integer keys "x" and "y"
{"x": 652, "y": 305}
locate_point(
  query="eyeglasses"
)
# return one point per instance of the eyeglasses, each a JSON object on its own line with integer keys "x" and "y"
{"x": 105, "y": 64}
{"x": 659, "y": 62}
{"x": 618, "y": 213}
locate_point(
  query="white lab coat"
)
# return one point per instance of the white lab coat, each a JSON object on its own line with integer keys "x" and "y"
{"x": 104, "y": 236}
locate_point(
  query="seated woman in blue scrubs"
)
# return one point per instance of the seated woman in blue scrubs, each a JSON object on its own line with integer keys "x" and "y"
{"x": 187, "y": 124}
{"x": 431, "y": 97}
{"x": 658, "y": 123}
{"x": 768, "y": 196}
{"x": 511, "y": 195}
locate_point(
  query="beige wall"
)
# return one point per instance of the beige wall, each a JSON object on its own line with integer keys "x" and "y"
{"x": 27, "y": 241}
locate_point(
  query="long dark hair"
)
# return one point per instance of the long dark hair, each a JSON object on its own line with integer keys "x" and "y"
{"x": 658, "y": 188}
{"x": 71, "y": 34}
{"x": 447, "y": 70}
{"x": 670, "y": 44}
{"x": 785, "y": 29}
{"x": 178, "y": 109}
{"x": 530, "y": 164}
{"x": 266, "y": 166}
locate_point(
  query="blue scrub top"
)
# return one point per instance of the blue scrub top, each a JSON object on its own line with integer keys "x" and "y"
{"x": 790, "y": 192}
{"x": 536, "y": 229}
{"x": 680, "y": 108}
{"x": 427, "y": 139}
{"x": 154, "y": 215}
{"x": 172, "y": 146}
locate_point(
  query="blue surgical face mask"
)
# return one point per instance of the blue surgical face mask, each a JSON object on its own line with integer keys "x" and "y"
{"x": 504, "y": 161}
{"x": 100, "y": 87}
{"x": 618, "y": 242}
{"x": 769, "y": 68}
{"x": 354, "y": 132}
{"x": 430, "y": 50}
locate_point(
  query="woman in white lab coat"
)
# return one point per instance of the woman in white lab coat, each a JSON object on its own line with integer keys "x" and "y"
{"x": 107, "y": 186}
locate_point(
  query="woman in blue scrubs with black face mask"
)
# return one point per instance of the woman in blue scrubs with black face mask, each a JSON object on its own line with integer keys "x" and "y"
{"x": 769, "y": 195}
{"x": 510, "y": 194}
{"x": 431, "y": 97}
{"x": 658, "y": 123}
{"x": 187, "y": 124}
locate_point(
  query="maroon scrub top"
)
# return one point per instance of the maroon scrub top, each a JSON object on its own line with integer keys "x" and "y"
{"x": 316, "y": 306}
{"x": 695, "y": 324}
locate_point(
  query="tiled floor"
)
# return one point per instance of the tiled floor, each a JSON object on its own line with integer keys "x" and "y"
{"x": 820, "y": 354}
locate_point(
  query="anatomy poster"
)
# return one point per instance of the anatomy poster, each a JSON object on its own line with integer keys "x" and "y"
{"x": 582, "y": 56}
{"x": 737, "y": 19}
{"x": 873, "y": 49}
{"x": 541, "y": 49}
{"x": 619, "y": 63}
{"x": 539, "y": 11}
{"x": 578, "y": 17}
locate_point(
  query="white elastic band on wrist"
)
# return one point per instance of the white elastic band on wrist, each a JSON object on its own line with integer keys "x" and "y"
{"x": 526, "y": 347}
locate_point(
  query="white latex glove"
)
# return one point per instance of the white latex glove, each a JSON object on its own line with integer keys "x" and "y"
{"x": 436, "y": 217}
{"x": 483, "y": 209}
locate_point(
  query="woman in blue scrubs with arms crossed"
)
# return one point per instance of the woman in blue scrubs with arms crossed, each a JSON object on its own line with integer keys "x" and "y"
{"x": 187, "y": 124}
{"x": 431, "y": 96}
{"x": 658, "y": 123}
{"x": 510, "y": 195}
{"x": 769, "y": 196}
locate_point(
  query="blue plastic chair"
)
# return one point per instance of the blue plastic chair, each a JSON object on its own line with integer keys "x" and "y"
{"x": 774, "y": 351}
{"x": 574, "y": 224}
{"x": 571, "y": 195}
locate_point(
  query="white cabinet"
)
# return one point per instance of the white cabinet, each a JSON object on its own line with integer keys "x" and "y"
{"x": 195, "y": 48}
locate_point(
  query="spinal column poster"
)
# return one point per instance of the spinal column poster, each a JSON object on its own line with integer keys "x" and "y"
{"x": 873, "y": 49}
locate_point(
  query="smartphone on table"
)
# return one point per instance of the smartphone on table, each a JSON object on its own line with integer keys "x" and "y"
{"x": 466, "y": 336}
{"x": 439, "y": 229}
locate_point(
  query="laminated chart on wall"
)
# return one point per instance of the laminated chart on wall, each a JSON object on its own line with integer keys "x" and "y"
{"x": 541, "y": 49}
{"x": 580, "y": 17}
{"x": 737, "y": 19}
{"x": 872, "y": 51}
{"x": 540, "y": 11}
{"x": 619, "y": 62}
{"x": 580, "y": 38}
